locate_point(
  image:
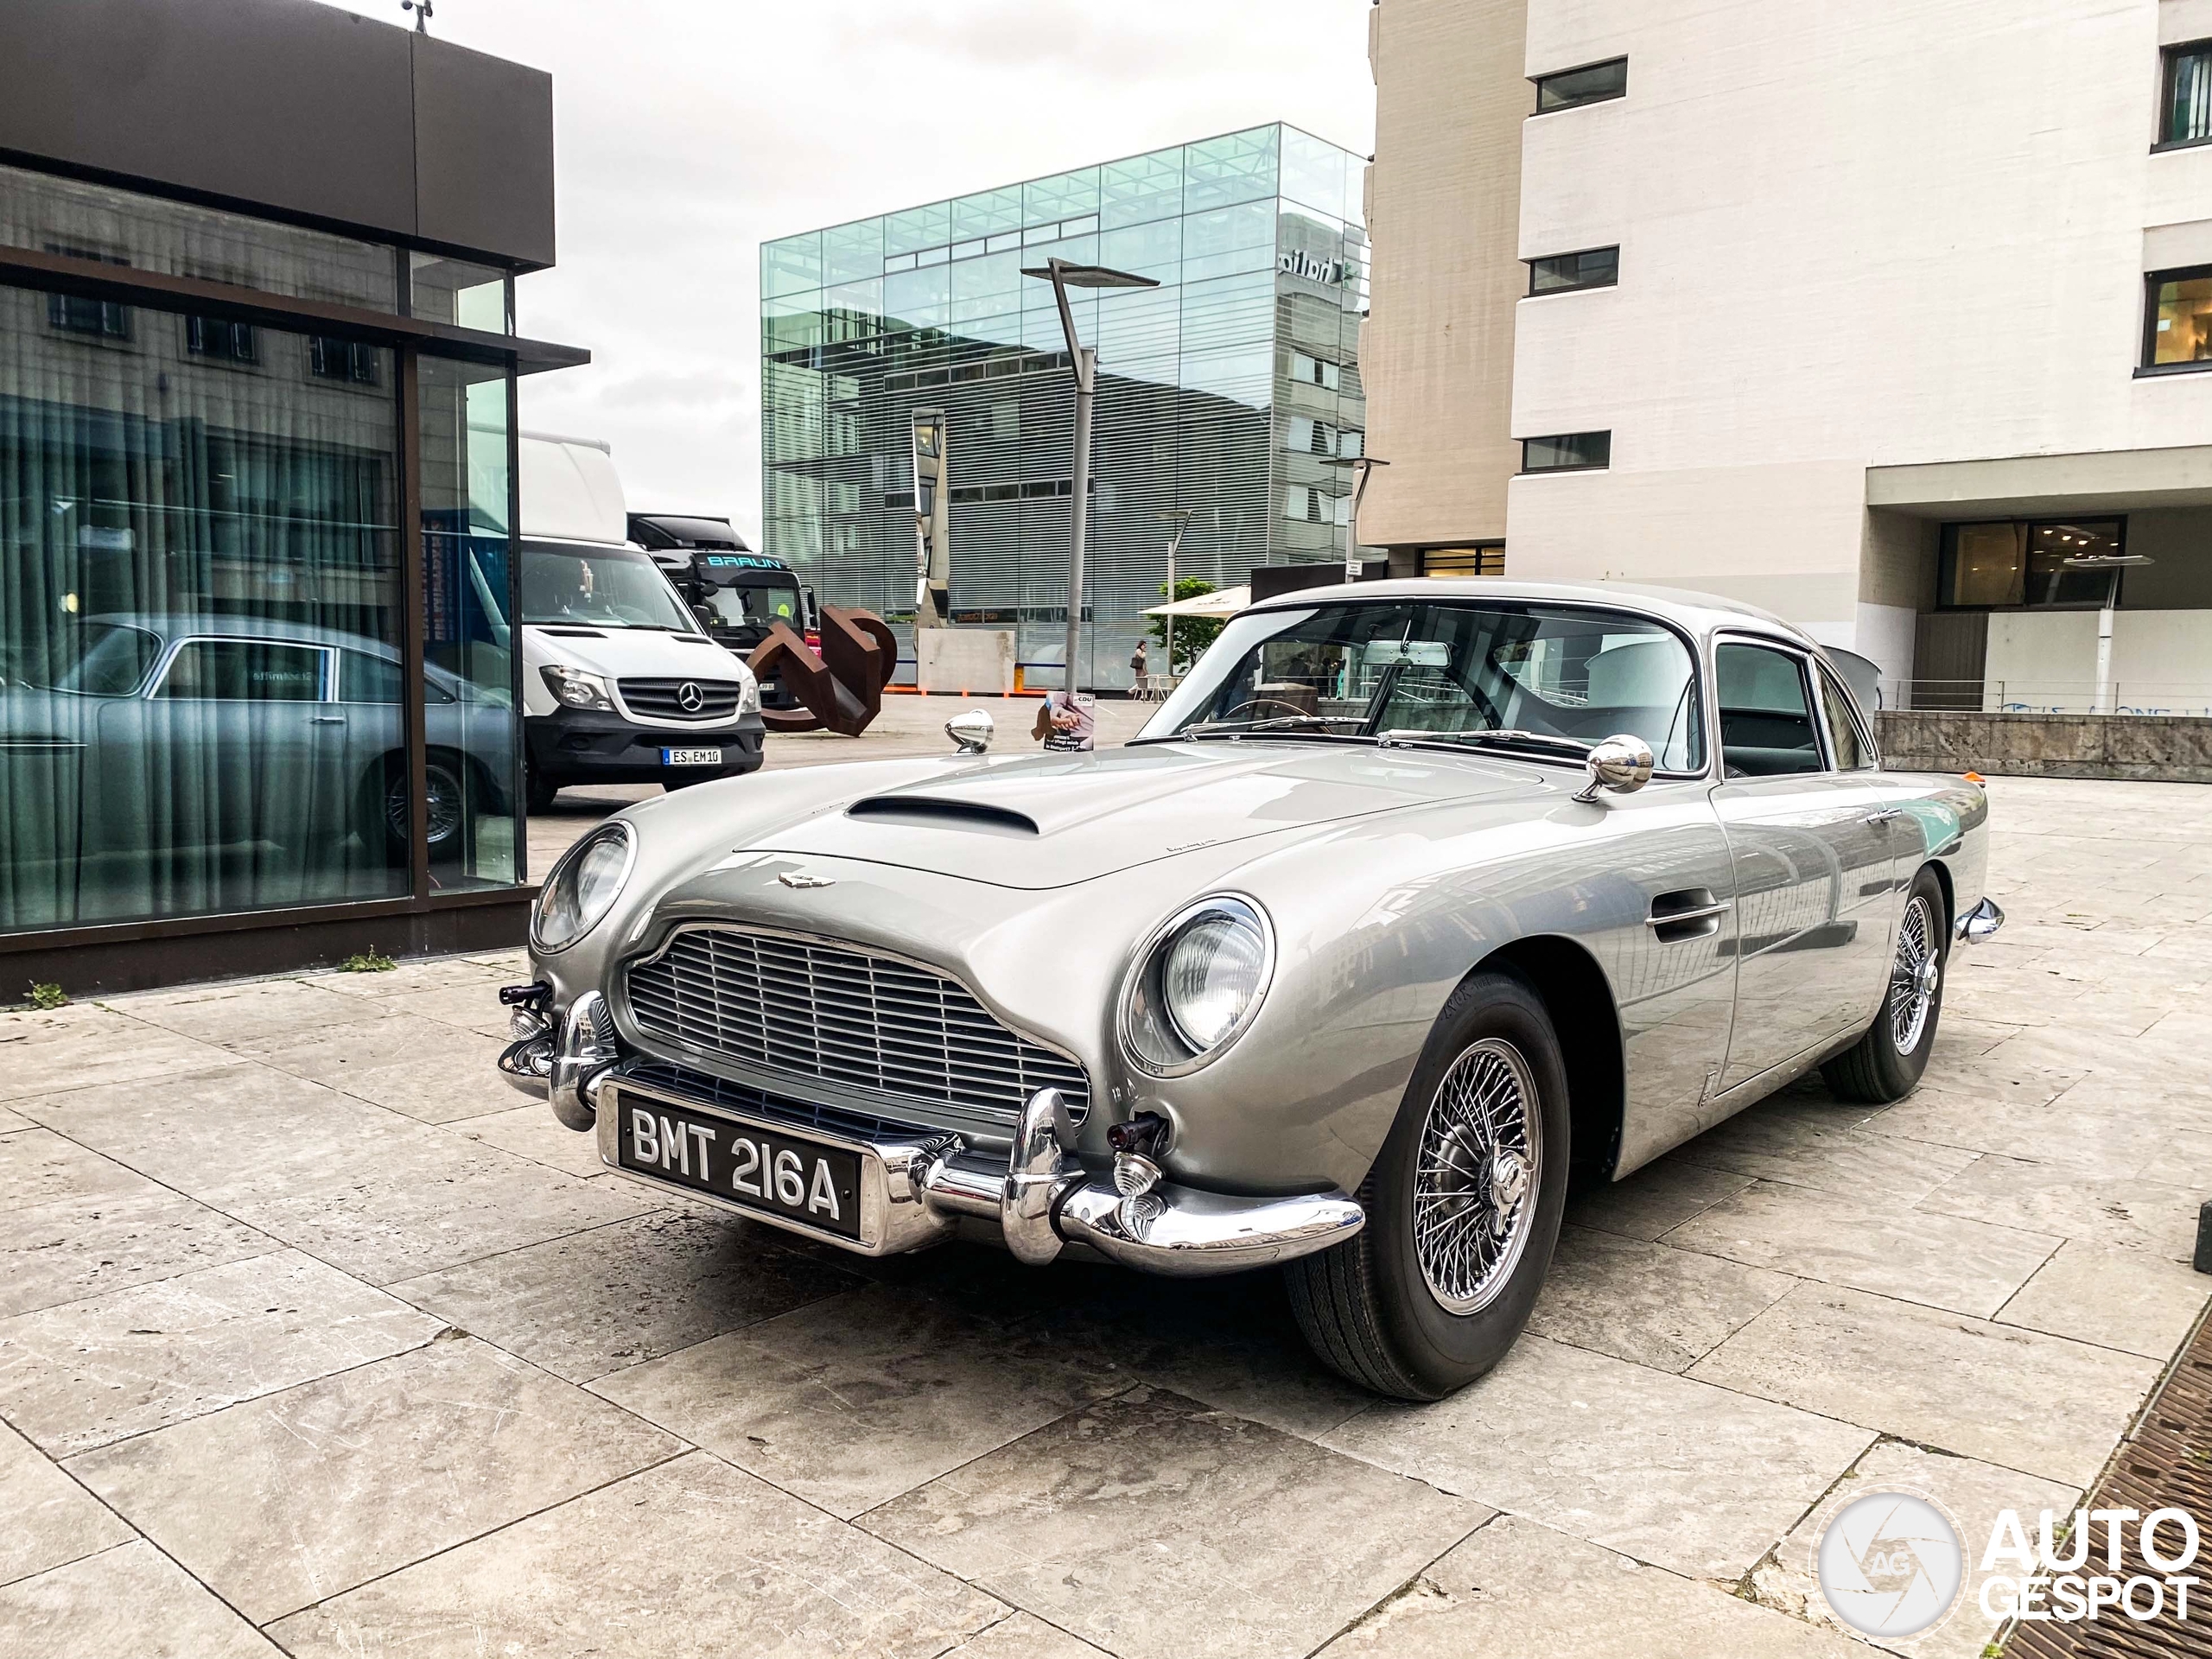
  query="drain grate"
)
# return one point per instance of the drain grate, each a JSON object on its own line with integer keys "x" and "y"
{"x": 2167, "y": 1465}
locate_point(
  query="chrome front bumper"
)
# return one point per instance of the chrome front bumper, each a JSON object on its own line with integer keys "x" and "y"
{"x": 914, "y": 1193}
{"x": 1979, "y": 923}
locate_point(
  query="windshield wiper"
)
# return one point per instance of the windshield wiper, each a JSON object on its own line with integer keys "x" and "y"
{"x": 1503, "y": 738}
{"x": 1273, "y": 723}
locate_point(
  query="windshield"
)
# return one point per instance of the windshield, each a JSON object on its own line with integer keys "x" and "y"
{"x": 1550, "y": 678}
{"x": 104, "y": 660}
{"x": 595, "y": 587}
{"x": 752, "y": 607}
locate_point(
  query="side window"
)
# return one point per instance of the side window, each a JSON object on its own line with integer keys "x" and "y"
{"x": 245, "y": 671}
{"x": 366, "y": 677}
{"x": 1766, "y": 713}
{"x": 1851, "y": 754}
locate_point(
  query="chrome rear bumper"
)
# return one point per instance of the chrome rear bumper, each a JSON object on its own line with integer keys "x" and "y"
{"x": 915, "y": 1193}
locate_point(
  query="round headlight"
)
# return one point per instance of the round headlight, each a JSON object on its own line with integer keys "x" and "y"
{"x": 583, "y": 886}
{"x": 1198, "y": 984}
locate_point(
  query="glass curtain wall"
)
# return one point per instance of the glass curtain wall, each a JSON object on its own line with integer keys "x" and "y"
{"x": 471, "y": 759}
{"x": 1226, "y": 391}
{"x": 201, "y": 616}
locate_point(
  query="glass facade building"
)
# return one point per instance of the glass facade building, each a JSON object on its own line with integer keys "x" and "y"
{"x": 1227, "y": 390}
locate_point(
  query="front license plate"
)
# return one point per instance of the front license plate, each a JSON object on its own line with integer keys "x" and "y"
{"x": 690, "y": 757}
{"x": 766, "y": 1170}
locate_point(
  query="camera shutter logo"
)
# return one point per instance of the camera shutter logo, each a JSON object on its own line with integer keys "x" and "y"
{"x": 1891, "y": 1564}
{"x": 689, "y": 698}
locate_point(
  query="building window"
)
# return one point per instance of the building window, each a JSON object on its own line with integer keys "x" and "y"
{"x": 2014, "y": 564}
{"x": 226, "y": 342}
{"x": 1567, "y": 451}
{"x": 332, "y": 359}
{"x": 2177, "y": 318}
{"x": 1591, "y": 267}
{"x": 2185, "y": 116}
{"x": 1485, "y": 559}
{"x": 70, "y": 314}
{"x": 1591, "y": 84}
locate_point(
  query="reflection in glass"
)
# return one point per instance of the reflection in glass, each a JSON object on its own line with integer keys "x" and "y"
{"x": 471, "y": 760}
{"x": 456, "y": 291}
{"x": 2012, "y": 564}
{"x": 2181, "y": 326}
{"x": 190, "y": 545}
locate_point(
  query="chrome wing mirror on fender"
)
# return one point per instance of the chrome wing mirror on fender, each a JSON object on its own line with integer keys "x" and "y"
{"x": 1621, "y": 763}
{"x": 971, "y": 731}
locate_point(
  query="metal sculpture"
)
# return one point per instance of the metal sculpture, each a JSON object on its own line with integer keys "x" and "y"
{"x": 840, "y": 689}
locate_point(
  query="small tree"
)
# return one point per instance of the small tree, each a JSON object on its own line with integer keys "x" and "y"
{"x": 1192, "y": 633}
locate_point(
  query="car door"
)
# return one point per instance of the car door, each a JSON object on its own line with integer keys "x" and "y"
{"x": 1811, "y": 846}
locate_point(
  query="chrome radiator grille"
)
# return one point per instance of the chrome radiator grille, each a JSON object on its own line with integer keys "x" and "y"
{"x": 846, "y": 1016}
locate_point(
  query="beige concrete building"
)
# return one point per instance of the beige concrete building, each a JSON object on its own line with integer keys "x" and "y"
{"x": 1893, "y": 319}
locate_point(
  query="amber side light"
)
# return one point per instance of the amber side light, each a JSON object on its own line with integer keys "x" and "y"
{"x": 1976, "y": 777}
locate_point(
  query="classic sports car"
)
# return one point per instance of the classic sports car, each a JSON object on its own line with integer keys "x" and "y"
{"x": 1414, "y": 899}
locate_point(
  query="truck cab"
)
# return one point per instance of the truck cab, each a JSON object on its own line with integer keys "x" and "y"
{"x": 737, "y": 594}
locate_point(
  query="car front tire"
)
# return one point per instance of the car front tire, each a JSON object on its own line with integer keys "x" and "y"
{"x": 1463, "y": 1206}
{"x": 1885, "y": 1064}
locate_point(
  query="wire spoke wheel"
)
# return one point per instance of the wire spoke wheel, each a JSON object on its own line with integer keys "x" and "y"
{"x": 1476, "y": 1176}
{"x": 1913, "y": 976}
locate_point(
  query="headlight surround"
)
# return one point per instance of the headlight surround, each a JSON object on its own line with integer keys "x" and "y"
{"x": 748, "y": 695}
{"x": 573, "y": 689}
{"x": 1198, "y": 984}
{"x": 583, "y": 886}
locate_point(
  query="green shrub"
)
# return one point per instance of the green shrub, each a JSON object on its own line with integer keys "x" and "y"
{"x": 367, "y": 962}
{"x": 49, "y": 996}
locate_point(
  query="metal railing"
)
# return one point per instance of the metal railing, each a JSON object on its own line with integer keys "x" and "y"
{"x": 2041, "y": 697}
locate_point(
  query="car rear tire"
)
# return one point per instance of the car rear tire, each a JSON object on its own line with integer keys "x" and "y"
{"x": 1885, "y": 1064}
{"x": 538, "y": 791}
{"x": 386, "y": 812}
{"x": 1463, "y": 1206}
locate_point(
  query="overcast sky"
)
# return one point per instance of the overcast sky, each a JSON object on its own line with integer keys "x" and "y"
{"x": 690, "y": 131}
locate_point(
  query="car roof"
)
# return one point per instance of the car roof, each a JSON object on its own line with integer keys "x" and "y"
{"x": 1701, "y": 615}
{"x": 173, "y": 625}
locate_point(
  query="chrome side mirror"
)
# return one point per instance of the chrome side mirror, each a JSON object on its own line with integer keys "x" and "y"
{"x": 971, "y": 731}
{"x": 1622, "y": 763}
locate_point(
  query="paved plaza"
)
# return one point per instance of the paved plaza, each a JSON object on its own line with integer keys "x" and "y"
{"x": 313, "y": 1338}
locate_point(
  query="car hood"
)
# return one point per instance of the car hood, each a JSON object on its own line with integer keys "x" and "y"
{"x": 619, "y": 653}
{"x": 1054, "y": 820}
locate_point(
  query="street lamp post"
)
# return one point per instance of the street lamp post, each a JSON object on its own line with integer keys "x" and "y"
{"x": 1179, "y": 517}
{"x": 1063, "y": 275}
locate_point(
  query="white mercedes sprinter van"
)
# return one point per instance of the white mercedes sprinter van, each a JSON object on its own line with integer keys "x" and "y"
{"x": 619, "y": 683}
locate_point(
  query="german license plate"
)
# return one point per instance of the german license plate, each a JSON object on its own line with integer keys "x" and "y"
{"x": 690, "y": 757}
{"x": 781, "y": 1174}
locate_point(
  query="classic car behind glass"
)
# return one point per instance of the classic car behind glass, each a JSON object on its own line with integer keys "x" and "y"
{"x": 1415, "y": 901}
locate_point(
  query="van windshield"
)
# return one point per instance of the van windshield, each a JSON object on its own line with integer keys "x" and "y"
{"x": 565, "y": 582}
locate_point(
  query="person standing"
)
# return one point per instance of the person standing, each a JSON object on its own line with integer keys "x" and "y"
{"x": 1137, "y": 660}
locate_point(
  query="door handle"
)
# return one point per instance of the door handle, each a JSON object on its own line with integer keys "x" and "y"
{"x": 326, "y": 719}
{"x": 1887, "y": 814}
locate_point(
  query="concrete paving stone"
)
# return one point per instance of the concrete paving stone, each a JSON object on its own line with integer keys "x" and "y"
{"x": 247, "y": 1014}
{"x": 2116, "y": 1299}
{"x": 850, "y": 1402}
{"x": 10, "y": 1121}
{"x": 1818, "y": 1145}
{"x": 1684, "y": 1475}
{"x": 1960, "y": 1037}
{"x": 418, "y": 975}
{"x": 1943, "y": 1261}
{"x": 530, "y": 1130}
{"x": 38, "y": 1167}
{"x": 425, "y": 1068}
{"x": 364, "y": 1473}
{"x": 1152, "y": 1526}
{"x": 1023, "y": 1636}
{"x": 1972, "y": 1493}
{"x": 474, "y": 1007}
{"x": 2128, "y": 1214}
{"x": 1656, "y": 1199}
{"x": 428, "y": 1201}
{"x": 131, "y": 1602}
{"x": 89, "y": 1372}
{"x": 618, "y": 1295}
{"x": 691, "y": 1560}
{"x": 1231, "y": 1342}
{"x": 129, "y": 1051}
{"x": 981, "y": 1279}
{"x": 1648, "y": 1303}
{"x": 2040, "y": 1404}
{"x": 2183, "y": 1158}
{"x": 83, "y": 1247}
{"x": 1519, "y": 1588}
{"x": 2092, "y": 1139}
{"x": 51, "y": 1520}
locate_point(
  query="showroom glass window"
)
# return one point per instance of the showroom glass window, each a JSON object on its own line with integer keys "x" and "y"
{"x": 2177, "y": 314}
{"x": 196, "y": 530}
{"x": 2015, "y": 564}
{"x": 472, "y": 759}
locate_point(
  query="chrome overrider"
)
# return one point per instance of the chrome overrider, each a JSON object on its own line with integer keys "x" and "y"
{"x": 914, "y": 1193}
{"x": 1979, "y": 923}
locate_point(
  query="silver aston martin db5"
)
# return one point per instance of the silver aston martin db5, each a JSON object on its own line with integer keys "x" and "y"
{"x": 1416, "y": 900}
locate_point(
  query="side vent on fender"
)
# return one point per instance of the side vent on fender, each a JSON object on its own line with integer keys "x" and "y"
{"x": 1691, "y": 913}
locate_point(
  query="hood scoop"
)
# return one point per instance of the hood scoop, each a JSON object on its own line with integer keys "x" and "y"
{"x": 939, "y": 812}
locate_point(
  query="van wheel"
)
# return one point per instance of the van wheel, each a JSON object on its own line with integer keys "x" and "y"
{"x": 1463, "y": 1206}
{"x": 539, "y": 791}
{"x": 1885, "y": 1064}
